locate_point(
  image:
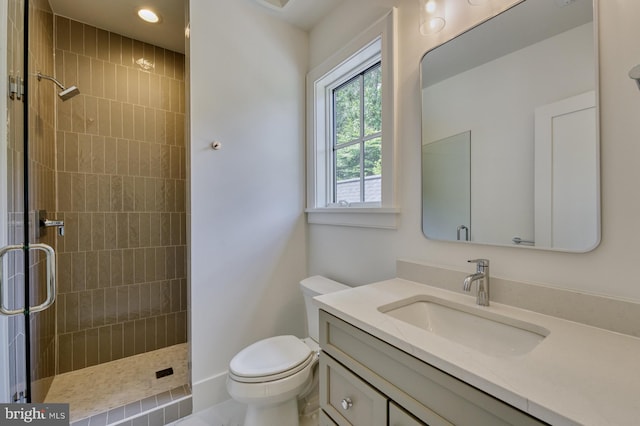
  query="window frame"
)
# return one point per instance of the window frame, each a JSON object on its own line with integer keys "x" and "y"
{"x": 375, "y": 44}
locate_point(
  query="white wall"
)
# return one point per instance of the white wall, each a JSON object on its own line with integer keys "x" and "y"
{"x": 360, "y": 255}
{"x": 248, "y": 242}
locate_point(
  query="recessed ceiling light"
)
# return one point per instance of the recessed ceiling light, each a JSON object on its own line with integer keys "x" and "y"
{"x": 148, "y": 15}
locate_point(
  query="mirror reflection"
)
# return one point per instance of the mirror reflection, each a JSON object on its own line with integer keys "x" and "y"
{"x": 509, "y": 131}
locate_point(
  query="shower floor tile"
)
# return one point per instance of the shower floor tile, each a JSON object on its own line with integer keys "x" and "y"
{"x": 103, "y": 387}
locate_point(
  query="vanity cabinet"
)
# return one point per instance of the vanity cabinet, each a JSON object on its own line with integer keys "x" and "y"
{"x": 367, "y": 382}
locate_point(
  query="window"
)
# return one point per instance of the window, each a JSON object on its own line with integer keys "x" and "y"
{"x": 357, "y": 137}
{"x": 350, "y": 125}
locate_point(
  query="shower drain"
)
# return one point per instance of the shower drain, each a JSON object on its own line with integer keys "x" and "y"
{"x": 164, "y": 373}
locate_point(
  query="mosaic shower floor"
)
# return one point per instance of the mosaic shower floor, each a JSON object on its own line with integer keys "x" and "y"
{"x": 127, "y": 382}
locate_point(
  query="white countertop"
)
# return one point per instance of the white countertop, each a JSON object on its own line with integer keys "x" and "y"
{"x": 577, "y": 375}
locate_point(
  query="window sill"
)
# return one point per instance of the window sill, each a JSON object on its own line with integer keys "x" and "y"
{"x": 379, "y": 217}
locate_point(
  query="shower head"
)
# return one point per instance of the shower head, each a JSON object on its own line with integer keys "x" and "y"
{"x": 69, "y": 93}
{"x": 66, "y": 93}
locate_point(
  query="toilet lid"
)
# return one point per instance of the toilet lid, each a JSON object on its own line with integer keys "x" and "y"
{"x": 270, "y": 356}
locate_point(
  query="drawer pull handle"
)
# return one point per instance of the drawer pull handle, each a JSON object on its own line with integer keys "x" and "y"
{"x": 346, "y": 403}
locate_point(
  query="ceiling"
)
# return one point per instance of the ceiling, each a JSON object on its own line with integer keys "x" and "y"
{"x": 119, "y": 16}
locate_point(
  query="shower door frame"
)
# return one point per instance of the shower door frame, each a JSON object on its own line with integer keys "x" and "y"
{"x": 4, "y": 321}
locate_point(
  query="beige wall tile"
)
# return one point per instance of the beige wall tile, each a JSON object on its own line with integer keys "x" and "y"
{"x": 116, "y": 119}
{"x": 110, "y": 87}
{"x": 122, "y": 83}
{"x": 70, "y": 152}
{"x": 62, "y": 33}
{"x": 97, "y": 154}
{"x": 92, "y": 270}
{"x": 128, "y": 265}
{"x": 91, "y": 115}
{"x": 79, "y": 271}
{"x": 90, "y": 41}
{"x": 97, "y": 231}
{"x": 102, "y": 45}
{"x": 122, "y": 233}
{"x": 79, "y": 350}
{"x": 84, "y": 153}
{"x": 116, "y": 268}
{"x": 78, "y": 114}
{"x": 92, "y": 194}
{"x": 92, "y": 347}
{"x": 104, "y": 117}
{"x": 84, "y": 81}
{"x": 138, "y": 122}
{"x": 76, "y": 37}
{"x": 97, "y": 77}
{"x": 149, "y": 125}
{"x": 104, "y": 270}
{"x": 84, "y": 237}
{"x": 133, "y": 84}
{"x": 128, "y": 193}
{"x": 115, "y": 48}
{"x": 143, "y": 88}
{"x": 117, "y": 341}
{"x": 127, "y": 52}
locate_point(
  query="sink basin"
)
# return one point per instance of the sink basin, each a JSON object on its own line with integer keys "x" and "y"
{"x": 476, "y": 328}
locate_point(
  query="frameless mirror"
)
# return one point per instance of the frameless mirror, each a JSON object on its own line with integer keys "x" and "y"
{"x": 510, "y": 146}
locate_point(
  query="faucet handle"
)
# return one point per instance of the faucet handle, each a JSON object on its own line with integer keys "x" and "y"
{"x": 482, "y": 263}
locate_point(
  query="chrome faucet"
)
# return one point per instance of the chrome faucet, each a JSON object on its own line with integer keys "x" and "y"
{"x": 482, "y": 277}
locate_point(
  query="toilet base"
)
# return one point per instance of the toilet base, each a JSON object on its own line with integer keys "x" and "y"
{"x": 285, "y": 413}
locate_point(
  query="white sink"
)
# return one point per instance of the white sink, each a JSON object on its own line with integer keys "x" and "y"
{"x": 474, "y": 327}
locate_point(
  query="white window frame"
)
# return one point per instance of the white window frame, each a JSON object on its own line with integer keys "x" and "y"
{"x": 377, "y": 43}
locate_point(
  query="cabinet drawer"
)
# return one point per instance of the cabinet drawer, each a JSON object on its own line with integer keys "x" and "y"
{"x": 399, "y": 417}
{"x": 347, "y": 399}
{"x": 325, "y": 420}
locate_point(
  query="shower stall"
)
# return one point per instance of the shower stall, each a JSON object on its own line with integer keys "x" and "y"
{"x": 93, "y": 166}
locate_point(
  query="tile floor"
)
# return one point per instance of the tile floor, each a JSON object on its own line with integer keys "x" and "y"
{"x": 229, "y": 413}
{"x": 128, "y": 382}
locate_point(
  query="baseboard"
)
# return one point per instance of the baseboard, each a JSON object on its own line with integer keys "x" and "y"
{"x": 209, "y": 392}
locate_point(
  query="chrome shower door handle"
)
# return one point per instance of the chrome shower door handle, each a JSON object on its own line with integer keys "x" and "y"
{"x": 51, "y": 279}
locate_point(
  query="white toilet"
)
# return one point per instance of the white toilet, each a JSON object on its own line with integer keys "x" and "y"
{"x": 272, "y": 374}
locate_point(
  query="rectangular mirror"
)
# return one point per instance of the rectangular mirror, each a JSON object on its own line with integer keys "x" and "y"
{"x": 520, "y": 88}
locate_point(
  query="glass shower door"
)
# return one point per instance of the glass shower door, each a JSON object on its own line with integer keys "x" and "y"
{"x": 27, "y": 260}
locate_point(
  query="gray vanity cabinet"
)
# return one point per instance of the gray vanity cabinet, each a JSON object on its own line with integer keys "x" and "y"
{"x": 367, "y": 382}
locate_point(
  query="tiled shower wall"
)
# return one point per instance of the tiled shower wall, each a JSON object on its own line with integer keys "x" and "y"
{"x": 121, "y": 192}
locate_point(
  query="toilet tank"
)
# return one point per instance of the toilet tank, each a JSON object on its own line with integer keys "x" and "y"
{"x": 311, "y": 287}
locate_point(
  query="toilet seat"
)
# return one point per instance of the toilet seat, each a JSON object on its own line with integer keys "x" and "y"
{"x": 270, "y": 359}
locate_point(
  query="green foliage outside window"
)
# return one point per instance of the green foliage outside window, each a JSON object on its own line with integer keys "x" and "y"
{"x": 350, "y": 127}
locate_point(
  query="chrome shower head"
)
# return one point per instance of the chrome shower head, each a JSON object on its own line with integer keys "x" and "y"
{"x": 69, "y": 93}
{"x": 66, "y": 93}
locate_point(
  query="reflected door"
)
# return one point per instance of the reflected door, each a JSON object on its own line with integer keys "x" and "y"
{"x": 566, "y": 181}
{"x": 446, "y": 188}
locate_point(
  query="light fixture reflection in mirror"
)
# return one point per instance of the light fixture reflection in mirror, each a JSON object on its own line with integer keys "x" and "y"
{"x": 432, "y": 16}
{"x": 526, "y": 93}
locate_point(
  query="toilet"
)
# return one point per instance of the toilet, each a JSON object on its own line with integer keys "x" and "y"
{"x": 272, "y": 374}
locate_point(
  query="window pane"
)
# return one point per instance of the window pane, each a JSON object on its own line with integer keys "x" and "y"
{"x": 373, "y": 101}
{"x": 348, "y": 174}
{"x": 373, "y": 170}
{"x": 347, "y": 111}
